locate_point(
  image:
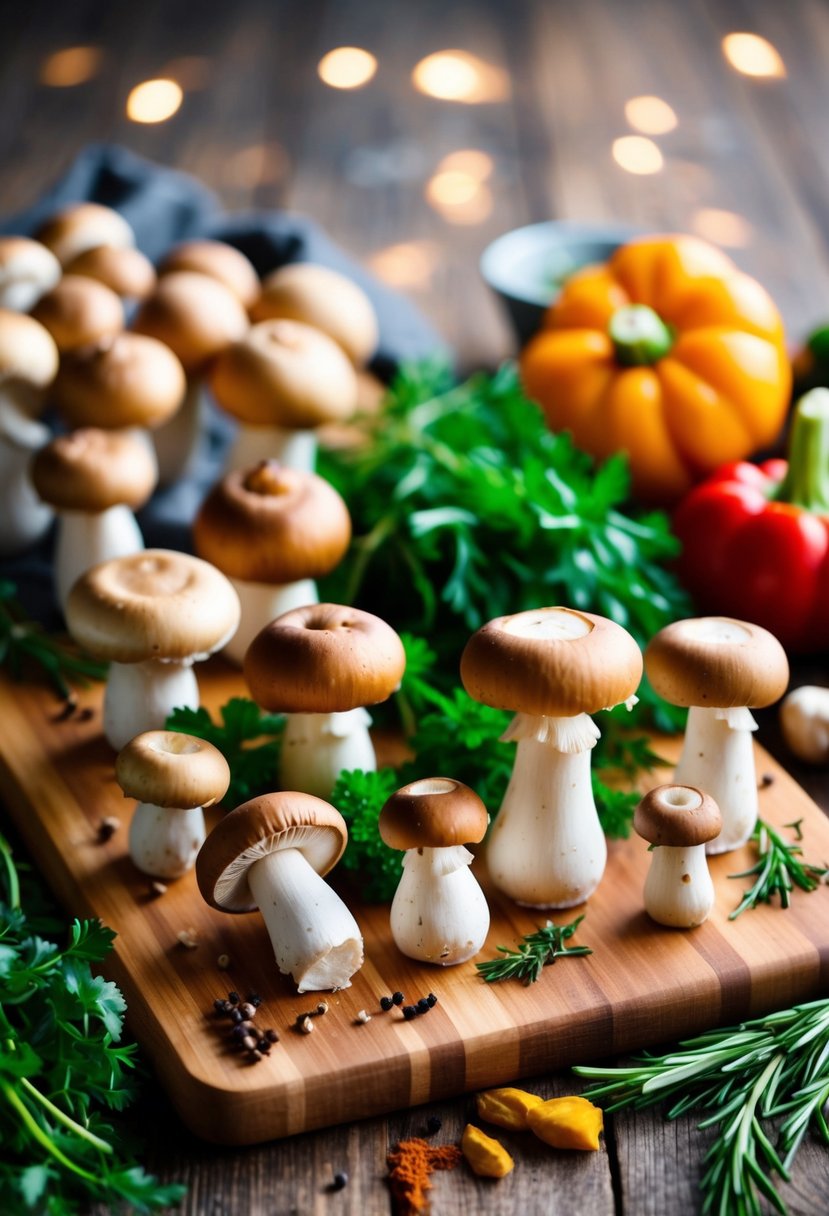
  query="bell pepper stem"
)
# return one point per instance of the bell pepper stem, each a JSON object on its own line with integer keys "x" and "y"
{"x": 806, "y": 483}
{"x": 639, "y": 335}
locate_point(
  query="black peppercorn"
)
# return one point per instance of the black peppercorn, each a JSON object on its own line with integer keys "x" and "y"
{"x": 233, "y": 998}
{"x": 220, "y": 1006}
{"x": 386, "y": 1003}
{"x": 236, "y": 1015}
{"x": 409, "y": 1012}
{"x": 432, "y": 999}
{"x": 433, "y": 1124}
{"x": 271, "y": 1036}
{"x": 254, "y": 999}
{"x": 340, "y": 1180}
{"x": 423, "y": 1005}
{"x": 398, "y": 998}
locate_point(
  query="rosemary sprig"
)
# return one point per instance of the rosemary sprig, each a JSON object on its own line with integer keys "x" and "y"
{"x": 24, "y": 641}
{"x": 778, "y": 868}
{"x": 535, "y": 952}
{"x": 763, "y": 1083}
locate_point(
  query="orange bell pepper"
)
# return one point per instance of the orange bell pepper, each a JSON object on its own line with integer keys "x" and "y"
{"x": 669, "y": 353}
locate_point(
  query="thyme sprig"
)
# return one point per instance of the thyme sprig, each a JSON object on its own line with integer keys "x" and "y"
{"x": 762, "y": 1085}
{"x": 533, "y": 954}
{"x": 778, "y": 868}
{"x": 25, "y": 642}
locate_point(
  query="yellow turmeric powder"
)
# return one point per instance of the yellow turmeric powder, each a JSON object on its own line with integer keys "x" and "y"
{"x": 410, "y": 1164}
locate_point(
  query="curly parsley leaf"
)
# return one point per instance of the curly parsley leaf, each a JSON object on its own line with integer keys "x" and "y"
{"x": 247, "y": 738}
{"x": 374, "y": 868}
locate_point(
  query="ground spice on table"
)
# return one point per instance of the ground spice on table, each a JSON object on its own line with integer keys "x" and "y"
{"x": 411, "y": 1163}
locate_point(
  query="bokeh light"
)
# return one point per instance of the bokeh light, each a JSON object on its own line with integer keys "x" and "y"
{"x": 722, "y": 227}
{"x": 71, "y": 66}
{"x": 154, "y": 101}
{"x": 347, "y": 67}
{"x": 408, "y": 265}
{"x": 650, "y": 115}
{"x": 459, "y": 197}
{"x": 460, "y": 76}
{"x": 753, "y": 55}
{"x": 636, "y": 154}
{"x": 471, "y": 161}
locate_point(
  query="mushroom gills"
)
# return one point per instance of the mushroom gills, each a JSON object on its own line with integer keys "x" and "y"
{"x": 86, "y": 538}
{"x": 164, "y": 841}
{"x": 679, "y": 892}
{"x": 314, "y": 936}
{"x": 260, "y": 604}
{"x": 439, "y": 913}
{"x": 718, "y": 757}
{"x": 547, "y": 848}
{"x": 316, "y": 748}
{"x": 141, "y": 696}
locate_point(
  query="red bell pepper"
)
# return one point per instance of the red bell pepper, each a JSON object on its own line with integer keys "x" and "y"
{"x": 755, "y": 538}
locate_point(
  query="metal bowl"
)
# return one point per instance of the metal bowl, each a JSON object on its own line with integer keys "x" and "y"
{"x": 527, "y": 266}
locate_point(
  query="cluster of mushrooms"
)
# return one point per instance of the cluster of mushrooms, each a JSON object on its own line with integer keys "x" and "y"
{"x": 282, "y": 357}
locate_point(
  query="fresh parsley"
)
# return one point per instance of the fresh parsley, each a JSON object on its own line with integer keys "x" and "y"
{"x": 535, "y": 952}
{"x": 61, "y": 1061}
{"x": 778, "y": 869}
{"x": 247, "y": 738}
{"x": 25, "y": 644}
{"x": 763, "y": 1085}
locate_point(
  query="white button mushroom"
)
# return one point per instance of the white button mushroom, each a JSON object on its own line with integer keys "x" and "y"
{"x": 28, "y": 363}
{"x": 321, "y": 664}
{"x": 197, "y": 317}
{"x": 173, "y": 776}
{"x": 219, "y": 261}
{"x": 95, "y": 479}
{"x": 282, "y": 381}
{"x": 325, "y": 299}
{"x": 272, "y": 531}
{"x": 153, "y": 615}
{"x": 719, "y": 667}
{"x": 270, "y": 853}
{"x": 439, "y": 913}
{"x": 804, "y": 720}
{"x": 678, "y": 821}
{"x": 554, "y": 666}
{"x": 27, "y": 271}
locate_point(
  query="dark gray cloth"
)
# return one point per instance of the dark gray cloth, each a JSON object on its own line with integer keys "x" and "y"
{"x": 164, "y": 206}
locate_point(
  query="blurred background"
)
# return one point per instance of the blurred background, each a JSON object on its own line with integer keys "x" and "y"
{"x": 418, "y": 132}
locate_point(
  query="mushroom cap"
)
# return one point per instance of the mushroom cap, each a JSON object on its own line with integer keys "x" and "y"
{"x": 285, "y": 374}
{"x": 125, "y": 270}
{"x": 718, "y": 662}
{"x": 679, "y": 816}
{"x": 269, "y": 524}
{"x": 27, "y": 262}
{"x": 78, "y": 311}
{"x": 157, "y": 604}
{"x": 322, "y": 659}
{"x": 325, "y": 299}
{"x": 286, "y": 820}
{"x": 218, "y": 260}
{"x": 433, "y": 813}
{"x": 92, "y": 470}
{"x": 83, "y": 226}
{"x": 125, "y": 380}
{"x": 553, "y": 662}
{"x": 195, "y": 315}
{"x": 166, "y": 768}
{"x": 28, "y": 354}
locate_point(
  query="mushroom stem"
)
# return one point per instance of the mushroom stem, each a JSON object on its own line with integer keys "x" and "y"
{"x": 439, "y": 913}
{"x": 316, "y": 748}
{"x": 23, "y": 517}
{"x": 314, "y": 936}
{"x": 547, "y": 848}
{"x": 678, "y": 889}
{"x": 164, "y": 841}
{"x": 176, "y": 441}
{"x": 141, "y": 696}
{"x": 718, "y": 757}
{"x": 86, "y": 538}
{"x": 293, "y": 449}
{"x": 262, "y": 603}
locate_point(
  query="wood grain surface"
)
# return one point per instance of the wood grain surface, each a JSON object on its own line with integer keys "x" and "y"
{"x": 643, "y": 984}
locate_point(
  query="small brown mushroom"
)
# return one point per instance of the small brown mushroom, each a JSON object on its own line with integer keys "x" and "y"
{"x": 678, "y": 821}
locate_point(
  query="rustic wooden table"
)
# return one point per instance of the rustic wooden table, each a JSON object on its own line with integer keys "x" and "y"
{"x": 747, "y": 165}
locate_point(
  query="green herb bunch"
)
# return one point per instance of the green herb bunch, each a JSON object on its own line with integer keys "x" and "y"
{"x": 780, "y": 867}
{"x": 762, "y": 1085}
{"x": 61, "y": 1063}
{"x": 24, "y": 643}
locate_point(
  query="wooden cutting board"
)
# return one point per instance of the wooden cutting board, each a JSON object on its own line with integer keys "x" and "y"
{"x": 642, "y": 985}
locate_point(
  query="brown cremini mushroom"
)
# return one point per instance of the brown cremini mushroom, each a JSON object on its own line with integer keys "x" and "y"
{"x": 322, "y": 664}
{"x": 128, "y": 380}
{"x": 27, "y": 271}
{"x": 678, "y": 821}
{"x": 272, "y": 531}
{"x": 219, "y": 261}
{"x": 439, "y": 913}
{"x": 79, "y": 311}
{"x": 172, "y": 776}
{"x": 271, "y": 853}
{"x": 554, "y": 666}
{"x": 326, "y": 300}
{"x": 82, "y": 226}
{"x": 122, "y": 269}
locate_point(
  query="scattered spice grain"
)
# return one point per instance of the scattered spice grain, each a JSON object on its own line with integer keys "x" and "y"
{"x": 433, "y": 1125}
{"x": 306, "y": 1025}
{"x": 271, "y": 1036}
{"x": 107, "y": 827}
{"x": 386, "y": 1003}
{"x": 397, "y": 998}
{"x": 411, "y": 1164}
{"x": 86, "y": 714}
{"x": 409, "y": 1012}
{"x": 66, "y": 711}
{"x": 363, "y": 1017}
{"x": 223, "y": 962}
{"x": 322, "y": 1007}
{"x": 766, "y": 780}
{"x": 188, "y": 938}
{"x": 157, "y": 888}
{"x": 340, "y": 1181}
